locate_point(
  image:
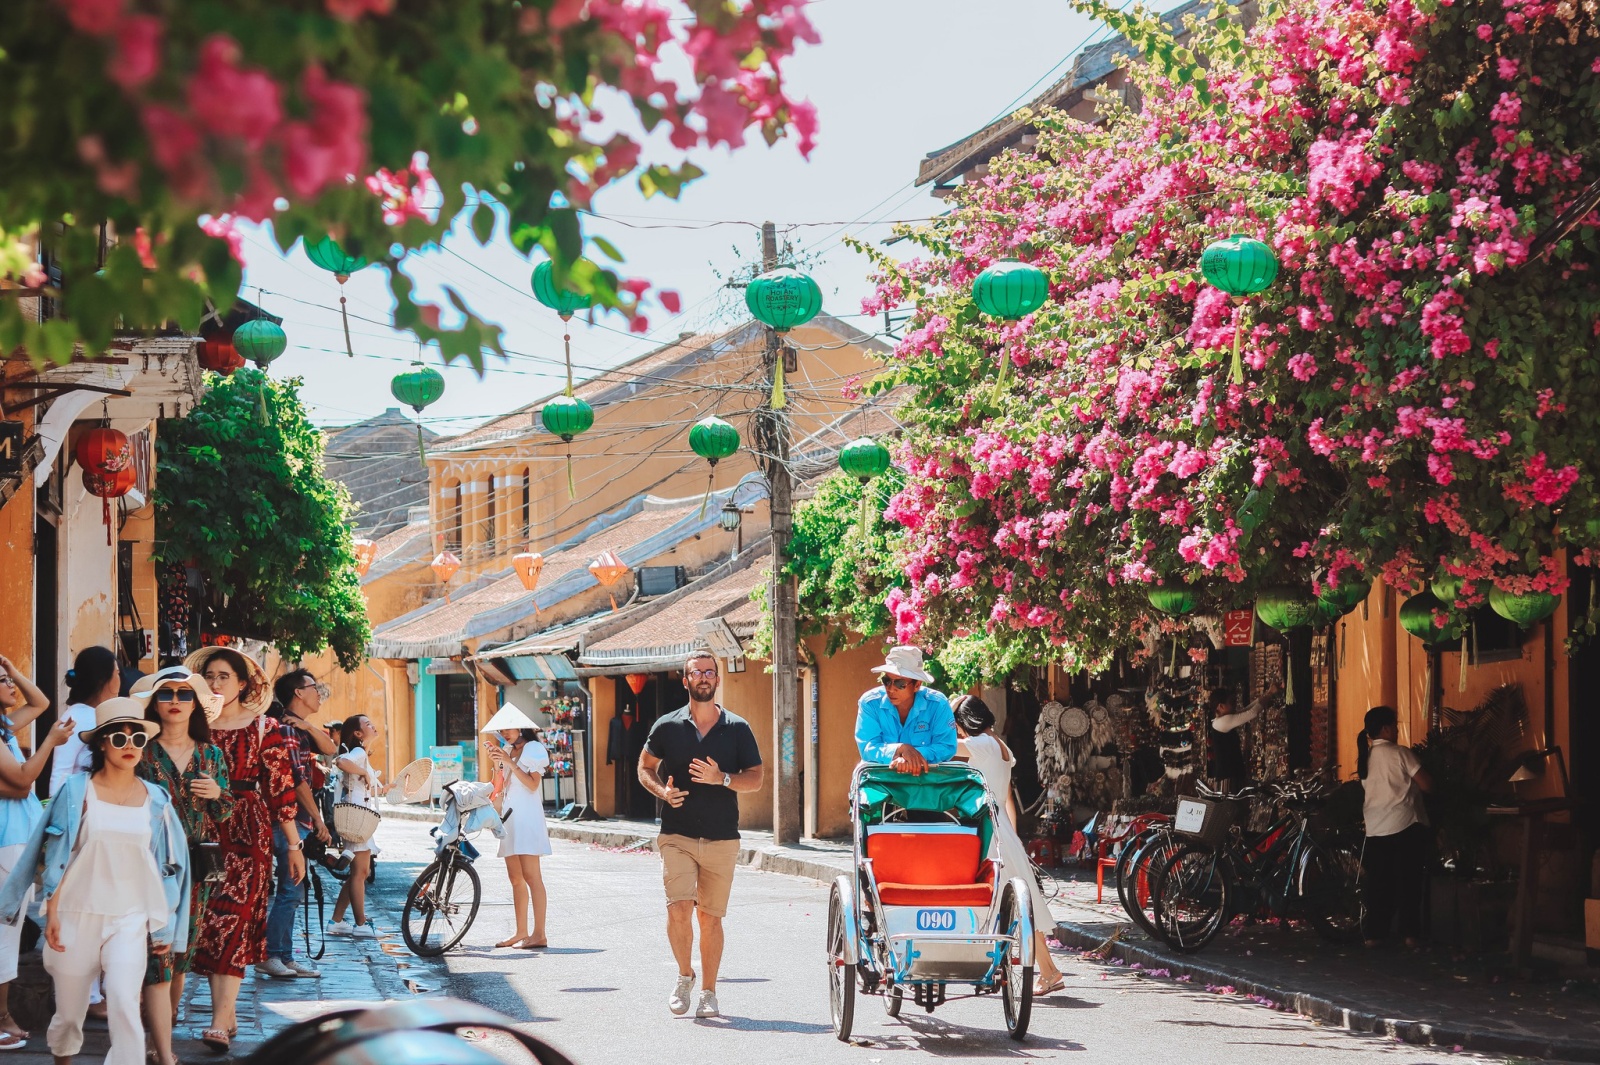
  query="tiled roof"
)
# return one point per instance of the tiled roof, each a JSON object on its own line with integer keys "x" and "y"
{"x": 673, "y": 626}
{"x": 497, "y": 601}
{"x": 406, "y": 546}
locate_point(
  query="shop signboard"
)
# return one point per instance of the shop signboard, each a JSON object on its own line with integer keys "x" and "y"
{"x": 1238, "y": 626}
{"x": 11, "y": 449}
{"x": 447, "y": 765}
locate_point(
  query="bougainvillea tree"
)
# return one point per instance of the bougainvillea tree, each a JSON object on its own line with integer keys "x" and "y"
{"x": 1421, "y": 390}
{"x": 168, "y": 121}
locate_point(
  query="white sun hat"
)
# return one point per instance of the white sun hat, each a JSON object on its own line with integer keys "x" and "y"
{"x": 508, "y": 716}
{"x": 904, "y": 662}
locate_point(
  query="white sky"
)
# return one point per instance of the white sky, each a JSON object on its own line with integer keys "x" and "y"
{"x": 892, "y": 80}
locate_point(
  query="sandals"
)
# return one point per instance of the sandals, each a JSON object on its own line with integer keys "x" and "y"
{"x": 218, "y": 1040}
{"x": 11, "y": 1042}
{"x": 1055, "y": 985}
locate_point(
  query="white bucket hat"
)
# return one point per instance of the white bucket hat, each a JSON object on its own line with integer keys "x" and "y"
{"x": 114, "y": 713}
{"x": 507, "y": 716}
{"x": 144, "y": 689}
{"x": 904, "y": 662}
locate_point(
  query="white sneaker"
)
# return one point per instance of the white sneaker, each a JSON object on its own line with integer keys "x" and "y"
{"x": 275, "y": 967}
{"x": 303, "y": 970}
{"x": 679, "y": 1002}
{"x": 708, "y": 1005}
{"x": 340, "y": 928}
{"x": 364, "y": 931}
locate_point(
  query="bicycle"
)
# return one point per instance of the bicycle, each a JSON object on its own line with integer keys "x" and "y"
{"x": 443, "y": 900}
{"x": 1140, "y": 864}
{"x": 1290, "y": 868}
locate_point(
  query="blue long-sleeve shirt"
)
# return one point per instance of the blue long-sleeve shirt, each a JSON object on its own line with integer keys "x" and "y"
{"x": 930, "y": 727}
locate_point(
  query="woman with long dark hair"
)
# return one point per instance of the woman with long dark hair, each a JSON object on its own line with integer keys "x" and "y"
{"x": 989, "y": 755}
{"x": 192, "y": 770}
{"x": 1393, "y": 861}
{"x": 115, "y": 874}
{"x": 93, "y": 678}
{"x": 362, "y": 788}
{"x": 233, "y": 931}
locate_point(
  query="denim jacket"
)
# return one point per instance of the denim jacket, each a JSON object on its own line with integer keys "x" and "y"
{"x": 50, "y": 849}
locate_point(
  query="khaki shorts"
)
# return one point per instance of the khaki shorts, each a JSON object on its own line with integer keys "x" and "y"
{"x": 699, "y": 871}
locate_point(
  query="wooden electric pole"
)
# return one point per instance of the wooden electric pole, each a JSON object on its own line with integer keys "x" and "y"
{"x": 772, "y": 444}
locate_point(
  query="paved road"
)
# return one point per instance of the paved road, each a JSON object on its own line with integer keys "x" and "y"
{"x": 599, "y": 993}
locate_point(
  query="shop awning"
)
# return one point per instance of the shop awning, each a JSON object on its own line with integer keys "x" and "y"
{"x": 549, "y": 668}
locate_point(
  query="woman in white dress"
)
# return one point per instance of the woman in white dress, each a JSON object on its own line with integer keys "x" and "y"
{"x": 990, "y": 756}
{"x": 362, "y": 788}
{"x": 513, "y": 746}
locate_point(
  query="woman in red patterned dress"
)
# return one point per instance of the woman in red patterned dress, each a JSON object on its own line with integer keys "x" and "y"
{"x": 233, "y": 933}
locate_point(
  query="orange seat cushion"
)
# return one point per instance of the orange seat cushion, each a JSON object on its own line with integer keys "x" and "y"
{"x": 924, "y": 859}
{"x": 978, "y": 894}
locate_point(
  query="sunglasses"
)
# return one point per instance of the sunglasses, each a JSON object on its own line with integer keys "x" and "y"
{"x": 182, "y": 695}
{"x": 136, "y": 740}
{"x": 897, "y": 683}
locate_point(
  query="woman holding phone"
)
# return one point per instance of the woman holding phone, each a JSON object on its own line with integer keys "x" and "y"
{"x": 511, "y": 740}
{"x": 192, "y": 770}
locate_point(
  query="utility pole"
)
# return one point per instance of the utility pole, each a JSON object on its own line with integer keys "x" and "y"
{"x": 772, "y": 444}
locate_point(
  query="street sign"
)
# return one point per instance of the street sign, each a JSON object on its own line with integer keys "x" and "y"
{"x": 1237, "y": 627}
{"x": 11, "y": 449}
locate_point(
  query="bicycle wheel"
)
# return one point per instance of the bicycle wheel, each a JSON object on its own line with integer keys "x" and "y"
{"x": 1124, "y": 871}
{"x": 440, "y": 907}
{"x": 893, "y": 999}
{"x": 1191, "y": 899}
{"x": 1016, "y": 981}
{"x": 1329, "y": 885}
{"x": 841, "y": 974}
{"x": 1145, "y": 872}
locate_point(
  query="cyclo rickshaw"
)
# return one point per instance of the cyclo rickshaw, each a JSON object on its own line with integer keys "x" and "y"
{"x": 927, "y": 907}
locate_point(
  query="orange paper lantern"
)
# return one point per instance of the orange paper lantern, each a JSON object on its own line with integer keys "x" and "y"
{"x": 528, "y": 566}
{"x": 637, "y": 681}
{"x": 608, "y": 569}
{"x": 444, "y": 565}
{"x": 366, "y": 552}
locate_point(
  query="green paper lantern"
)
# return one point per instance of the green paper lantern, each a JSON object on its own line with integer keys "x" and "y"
{"x": 567, "y": 417}
{"x": 1351, "y": 593}
{"x": 713, "y": 439}
{"x": 1525, "y": 609}
{"x": 1172, "y": 599}
{"x": 1239, "y": 265}
{"x": 1416, "y": 617}
{"x": 1011, "y": 290}
{"x": 260, "y": 341}
{"x": 327, "y": 254}
{"x": 1289, "y": 608}
{"x": 418, "y": 387}
{"x": 864, "y": 459}
{"x": 1448, "y": 587}
{"x": 783, "y": 298}
{"x": 558, "y": 298}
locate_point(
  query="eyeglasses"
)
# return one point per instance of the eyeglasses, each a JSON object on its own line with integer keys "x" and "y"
{"x": 316, "y": 686}
{"x": 120, "y": 740}
{"x": 213, "y": 678}
{"x": 707, "y": 673}
{"x": 897, "y": 683}
{"x": 182, "y": 695}
{"x": 8, "y": 680}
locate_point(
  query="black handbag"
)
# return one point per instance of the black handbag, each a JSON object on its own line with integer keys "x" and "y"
{"x": 206, "y": 863}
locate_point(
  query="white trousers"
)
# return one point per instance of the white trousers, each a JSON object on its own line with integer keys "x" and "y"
{"x": 11, "y": 934}
{"x": 119, "y": 947}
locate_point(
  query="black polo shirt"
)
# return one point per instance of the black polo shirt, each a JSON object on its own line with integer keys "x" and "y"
{"x": 711, "y": 811}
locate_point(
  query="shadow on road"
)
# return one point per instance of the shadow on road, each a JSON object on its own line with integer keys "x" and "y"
{"x": 751, "y": 1024}
{"x": 943, "y": 1039}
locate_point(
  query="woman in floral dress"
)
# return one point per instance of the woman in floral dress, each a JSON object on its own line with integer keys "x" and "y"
{"x": 191, "y": 768}
{"x": 233, "y": 933}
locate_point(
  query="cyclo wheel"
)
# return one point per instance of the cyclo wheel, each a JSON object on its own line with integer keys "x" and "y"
{"x": 1192, "y": 899}
{"x": 892, "y": 1000}
{"x": 841, "y": 974}
{"x": 1016, "y": 981}
{"x": 441, "y": 906}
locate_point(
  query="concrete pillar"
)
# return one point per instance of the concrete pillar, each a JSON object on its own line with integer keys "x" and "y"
{"x": 603, "y": 707}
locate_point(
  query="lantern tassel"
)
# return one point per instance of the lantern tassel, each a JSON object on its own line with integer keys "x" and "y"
{"x": 778, "y": 400}
{"x": 566, "y": 340}
{"x": 1238, "y": 363}
{"x": 613, "y": 603}
{"x": 1461, "y": 681}
{"x": 711, "y": 479}
{"x": 572, "y": 486}
{"x": 1000, "y": 379}
{"x": 422, "y": 448}
{"x": 865, "y": 489}
{"x": 105, "y": 513}
{"x": 1288, "y": 677}
{"x": 344, "y": 317}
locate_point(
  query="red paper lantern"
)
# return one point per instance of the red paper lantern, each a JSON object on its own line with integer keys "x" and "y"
{"x": 113, "y": 484}
{"x": 637, "y": 681}
{"x": 218, "y": 354}
{"x": 104, "y": 451}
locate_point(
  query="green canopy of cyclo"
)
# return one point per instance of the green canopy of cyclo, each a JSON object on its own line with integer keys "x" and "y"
{"x": 958, "y": 790}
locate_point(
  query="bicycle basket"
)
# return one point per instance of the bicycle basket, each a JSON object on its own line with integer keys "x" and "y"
{"x": 1205, "y": 819}
{"x": 468, "y": 851}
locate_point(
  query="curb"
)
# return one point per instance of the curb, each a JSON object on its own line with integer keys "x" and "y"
{"x": 1329, "y": 1011}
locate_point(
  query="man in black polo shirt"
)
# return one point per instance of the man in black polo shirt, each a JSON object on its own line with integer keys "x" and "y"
{"x": 696, "y": 761}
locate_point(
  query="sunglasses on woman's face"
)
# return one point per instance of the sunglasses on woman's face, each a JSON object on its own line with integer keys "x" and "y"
{"x": 120, "y": 740}
{"x": 182, "y": 695}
